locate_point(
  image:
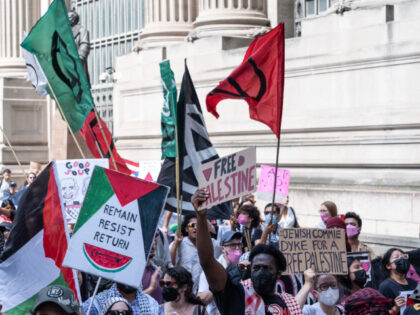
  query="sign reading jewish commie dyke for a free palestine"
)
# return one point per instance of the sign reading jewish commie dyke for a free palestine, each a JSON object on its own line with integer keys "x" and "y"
{"x": 229, "y": 177}
{"x": 323, "y": 250}
{"x": 116, "y": 226}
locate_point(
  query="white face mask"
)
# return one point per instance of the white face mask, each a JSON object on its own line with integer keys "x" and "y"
{"x": 329, "y": 297}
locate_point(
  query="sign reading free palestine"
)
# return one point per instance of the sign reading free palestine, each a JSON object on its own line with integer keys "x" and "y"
{"x": 229, "y": 177}
{"x": 116, "y": 227}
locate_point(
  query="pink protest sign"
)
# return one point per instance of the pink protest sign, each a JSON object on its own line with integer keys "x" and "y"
{"x": 266, "y": 183}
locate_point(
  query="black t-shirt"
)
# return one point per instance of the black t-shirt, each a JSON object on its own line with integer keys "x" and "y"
{"x": 231, "y": 301}
{"x": 391, "y": 289}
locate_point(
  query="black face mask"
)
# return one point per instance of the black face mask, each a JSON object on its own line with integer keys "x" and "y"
{"x": 170, "y": 294}
{"x": 245, "y": 274}
{"x": 361, "y": 278}
{"x": 125, "y": 288}
{"x": 402, "y": 266}
{"x": 263, "y": 282}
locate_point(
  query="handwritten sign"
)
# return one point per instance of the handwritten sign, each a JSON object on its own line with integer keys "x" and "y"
{"x": 74, "y": 178}
{"x": 229, "y": 177}
{"x": 116, "y": 227}
{"x": 149, "y": 170}
{"x": 323, "y": 250}
{"x": 266, "y": 183}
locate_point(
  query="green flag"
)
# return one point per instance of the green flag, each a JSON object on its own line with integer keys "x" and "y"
{"x": 168, "y": 117}
{"x": 51, "y": 40}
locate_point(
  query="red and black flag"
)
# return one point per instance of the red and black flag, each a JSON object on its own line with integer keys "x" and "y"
{"x": 259, "y": 80}
{"x": 97, "y": 144}
{"x": 36, "y": 247}
{"x": 194, "y": 148}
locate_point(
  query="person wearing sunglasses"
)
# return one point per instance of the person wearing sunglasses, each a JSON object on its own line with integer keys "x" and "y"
{"x": 117, "y": 306}
{"x": 231, "y": 243}
{"x": 188, "y": 250}
{"x": 177, "y": 287}
{"x": 327, "y": 293}
{"x": 395, "y": 265}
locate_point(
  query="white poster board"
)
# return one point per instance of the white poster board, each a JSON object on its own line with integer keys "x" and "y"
{"x": 74, "y": 176}
{"x": 229, "y": 177}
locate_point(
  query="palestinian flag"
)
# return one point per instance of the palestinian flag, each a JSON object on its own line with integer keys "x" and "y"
{"x": 116, "y": 226}
{"x": 36, "y": 247}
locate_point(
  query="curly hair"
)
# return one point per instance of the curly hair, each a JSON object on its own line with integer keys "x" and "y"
{"x": 271, "y": 250}
{"x": 185, "y": 222}
{"x": 354, "y": 215}
{"x": 183, "y": 277}
{"x": 252, "y": 212}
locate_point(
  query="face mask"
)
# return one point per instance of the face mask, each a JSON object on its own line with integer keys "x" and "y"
{"x": 245, "y": 274}
{"x": 268, "y": 218}
{"x": 402, "y": 266}
{"x": 351, "y": 231}
{"x": 329, "y": 297}
{"x": 234, "y": 256}
{"x": 325, "y": 216}
{"x": 126, "y": 289}
{"x": 242, "y": 219}
{"x": 170, "y": 294}
{"x": 263, "y": 282}
{"x": 360, "y": 278}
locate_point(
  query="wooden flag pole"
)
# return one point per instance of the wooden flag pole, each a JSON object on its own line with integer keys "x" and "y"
{"x": 275, "y": 185}
{"x": 106, "y": 140}
{"x": 65, "y": 119}
{"x": 13, "y": 151}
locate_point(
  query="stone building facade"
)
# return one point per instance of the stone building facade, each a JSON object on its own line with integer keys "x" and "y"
{"x": 351, "y": 126}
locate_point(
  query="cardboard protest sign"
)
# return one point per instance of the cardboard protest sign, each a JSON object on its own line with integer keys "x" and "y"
{"x": 266, "y": 183}
{"x": 116, "y": 226}
{"x": 229, "y": 177}
{"x": 323, "y": 250}
{"x": 74, "y": 176}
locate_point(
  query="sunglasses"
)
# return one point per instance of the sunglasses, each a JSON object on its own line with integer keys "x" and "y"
{"x": 164, "y": 284}
{"x": 119, "y": 313}
{"x": 192, "y": 225}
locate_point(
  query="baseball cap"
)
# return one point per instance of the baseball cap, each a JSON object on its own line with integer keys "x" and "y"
{"x": 228, "y": 236}
{"x": 59, "y": 295}
{"x": 13, "y": 184}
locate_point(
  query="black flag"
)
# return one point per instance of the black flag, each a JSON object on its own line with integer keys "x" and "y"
{"x": 194, "y": 148}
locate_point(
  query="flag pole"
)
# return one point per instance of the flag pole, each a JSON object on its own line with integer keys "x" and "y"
{"x": 106, "y": 140}
{"x": 94, "y": 294}
{"x": 65, "y": 119}
{"x": 13, "y": 151}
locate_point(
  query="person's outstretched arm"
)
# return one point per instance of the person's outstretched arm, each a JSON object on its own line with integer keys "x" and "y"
{"x": 215, "y": 273}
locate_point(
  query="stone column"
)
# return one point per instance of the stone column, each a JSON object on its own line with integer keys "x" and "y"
{"x": 16, "y": 16}
{"x": 167, "y": 21}
{"x": 245, "y": 18}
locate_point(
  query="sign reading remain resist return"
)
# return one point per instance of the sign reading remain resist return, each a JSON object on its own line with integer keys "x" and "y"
{"x": 116, "y": 227}
{"x": 229, "y": 177}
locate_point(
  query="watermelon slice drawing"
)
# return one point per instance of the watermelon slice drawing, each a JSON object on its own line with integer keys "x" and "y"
{"x": 105, "y": 260}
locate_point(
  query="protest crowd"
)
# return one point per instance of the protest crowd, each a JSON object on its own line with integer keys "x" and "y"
{"x": 185, "y": 244}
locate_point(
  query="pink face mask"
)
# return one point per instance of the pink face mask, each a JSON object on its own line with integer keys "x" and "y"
{"x": 242, "y": 219}
{"x": 325, "y": 216}
{"x": 351, "y": 231}
{"x": 234, "y": 256}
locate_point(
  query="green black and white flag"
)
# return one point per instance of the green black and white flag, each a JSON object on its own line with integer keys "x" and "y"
{"x": 51, "y": 41}
{"x": 168, "y": 117}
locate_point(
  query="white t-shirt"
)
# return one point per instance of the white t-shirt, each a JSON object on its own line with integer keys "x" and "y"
{"x": 204, "y": 286}
{"x": 315, "y": 309}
